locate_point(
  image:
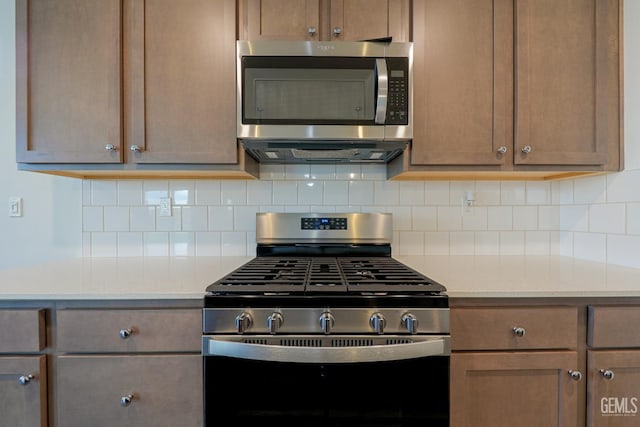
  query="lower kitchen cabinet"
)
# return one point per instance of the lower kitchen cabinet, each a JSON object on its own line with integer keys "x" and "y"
{"x": 129, "y": 390}
{"x": 525, "y": 389}
{"x": 23, "y": 388}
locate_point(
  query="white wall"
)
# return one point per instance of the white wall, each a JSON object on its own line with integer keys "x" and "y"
{"x": 52, "y": 221}
{"x": 595, "y": 218}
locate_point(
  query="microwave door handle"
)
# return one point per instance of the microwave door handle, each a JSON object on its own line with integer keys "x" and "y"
{"x": 383, "y": 91}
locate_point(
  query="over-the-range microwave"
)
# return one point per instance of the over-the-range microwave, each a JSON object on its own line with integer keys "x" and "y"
{"x": 324, "y": 101}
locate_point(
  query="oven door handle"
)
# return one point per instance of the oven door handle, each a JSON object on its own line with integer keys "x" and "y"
{"x": 223, "y": 346}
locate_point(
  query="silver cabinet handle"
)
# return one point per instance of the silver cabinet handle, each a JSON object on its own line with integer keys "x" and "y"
{"x": 326, "y": 322}
{"x": 607, "y": 373}
{"x": 126, "y": 400}
{"x": 575, "y": 375}
{"x": 378, "y": 322}
{"x": 312, "y": 31}
{"x": 337, "y": 31}
{"x": 135, "y": 148}
{"x": 125, "y": 333}
{"x": 410, "y": 322}
{"x": 502, "y": 149}
{"x": 518, "y": 331}
{"x": 110, "y": 148}
{"x": 527, "y": 149}
{"x": 25, "y": 379}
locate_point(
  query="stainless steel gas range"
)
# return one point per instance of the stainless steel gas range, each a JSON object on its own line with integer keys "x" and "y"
{"x": 325, "y": 328}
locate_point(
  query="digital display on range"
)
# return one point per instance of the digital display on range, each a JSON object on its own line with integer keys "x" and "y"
{"x": 323, "y": 223}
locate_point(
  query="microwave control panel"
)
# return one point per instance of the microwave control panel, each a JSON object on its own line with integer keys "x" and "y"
{"x": 398, "y": 95}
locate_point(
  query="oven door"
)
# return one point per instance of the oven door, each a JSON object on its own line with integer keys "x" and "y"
{"x": 326, "y": 380}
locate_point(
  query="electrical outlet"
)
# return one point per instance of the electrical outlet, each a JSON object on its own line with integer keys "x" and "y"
{"x": 165, "y": 206}
{"x": 15, "y": 206}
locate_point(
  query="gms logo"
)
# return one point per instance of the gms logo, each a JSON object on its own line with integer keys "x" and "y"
{"x": 619, "y": 406}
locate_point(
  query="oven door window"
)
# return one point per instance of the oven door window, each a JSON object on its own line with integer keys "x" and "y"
{"x": 309, "y": 90}
{"x": 407, "y": 393}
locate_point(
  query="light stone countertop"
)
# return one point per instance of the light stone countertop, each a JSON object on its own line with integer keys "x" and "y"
{"x": 187, "y": 277}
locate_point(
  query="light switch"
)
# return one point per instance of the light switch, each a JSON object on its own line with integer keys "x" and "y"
{"x": 15, "y": 206}
{"x": 165, "y": 206}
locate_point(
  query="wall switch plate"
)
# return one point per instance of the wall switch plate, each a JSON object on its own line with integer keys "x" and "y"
{"x": 165, "y": 206}
{"x": 15, "y": 206}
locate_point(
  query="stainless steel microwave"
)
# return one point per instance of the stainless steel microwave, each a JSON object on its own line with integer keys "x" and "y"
{"x": 324, "y": 101}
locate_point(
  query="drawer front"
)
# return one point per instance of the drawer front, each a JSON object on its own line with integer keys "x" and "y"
{"x": 614, "y": 327}
{"x": 22, "y": 331}
{"x": 501, "y": 328}
{"x": 23, "y": 388}
{"x": 164, "y": 390}
{"x": 129, "y": 331}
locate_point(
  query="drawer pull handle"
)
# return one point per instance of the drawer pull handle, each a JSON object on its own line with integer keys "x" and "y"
{"x": 607, "y": 373}
{"x": 126, "y": 333}
{"x": 126, "y": 400}
{"x": 575, "y": 375}
{"x": 25, "y": 379}
{"x": 518, "y": 331}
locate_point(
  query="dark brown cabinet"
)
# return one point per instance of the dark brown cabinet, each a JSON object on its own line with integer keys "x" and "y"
{"x": 527, "y": 86}
{"x": 313, "y": 20}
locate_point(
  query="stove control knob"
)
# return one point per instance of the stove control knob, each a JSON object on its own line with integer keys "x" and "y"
{"x": 410, "y": 322}
{"x": 378, "y": 322}
{"x": 243, "y": 322}
{"x": 326, "y": 322}
{"x": 274, "y": 321}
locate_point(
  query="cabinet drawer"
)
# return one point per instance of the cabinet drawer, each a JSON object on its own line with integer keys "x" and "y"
{"x": 614, "y": 326}
{"x": 496, "y": 328}
{"x": 23, "y": 388}
{"x": 22, "y": 331}
{"x": 116, "y": 331}
{"x": 164, "y": 390}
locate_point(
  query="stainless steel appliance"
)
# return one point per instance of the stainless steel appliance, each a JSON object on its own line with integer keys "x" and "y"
{"x": 325, "y": 328}
{"x": 324, "y": 101}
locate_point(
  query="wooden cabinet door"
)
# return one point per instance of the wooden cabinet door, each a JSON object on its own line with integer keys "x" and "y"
{"x": 68, "y": 81}
{"x": 281, "y": 20}
{"x": 613, "y": 388}
{"x": 524, "y": 389}
{"x": 357, "y": 20}
{"x": 180, "y": 81}
{"x": 462, "y": 98}
{"x": 163, "y": 390}
{"x": 567, "y": 82}
{"x": 23, "y": 388}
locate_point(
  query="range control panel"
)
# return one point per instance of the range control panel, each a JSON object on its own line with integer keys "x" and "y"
{"x": 323, "y": 223}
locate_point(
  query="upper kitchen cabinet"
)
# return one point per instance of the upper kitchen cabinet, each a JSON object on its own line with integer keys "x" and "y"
{"x": 141, "y": 88}
{"x": 68, "y": 81}
{"x": 313, "y": 20}
{"x": 502, "y": 89}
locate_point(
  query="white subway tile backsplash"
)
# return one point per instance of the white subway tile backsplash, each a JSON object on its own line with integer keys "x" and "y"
{"x": 499, "y": 218}
{"x": 449, "y": 218}
{"x": 596, "y": 218}
{"x": 130, "y": 244}
{"x": 411, "y": 193}
{"x": 590, "y": 190}
{"x": 143, "y": 218}
{"x": 194, "y": 218}
{"x": 590, "y": 246}
{"x": 130, "y": 193}
{"x": 607, "y": 218}
{"x": 336, "y": 193}
{"x": 220, "y": 218}
{"x": 116, "y": 218}
{"x": 360, "y": 192}
{"x": 92, "y": 218}
{"x": 233, "y": 192}
{"x": 104, "y": 193}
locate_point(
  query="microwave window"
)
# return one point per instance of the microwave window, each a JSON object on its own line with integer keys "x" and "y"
{"x": 304, "y": 94}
